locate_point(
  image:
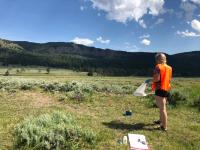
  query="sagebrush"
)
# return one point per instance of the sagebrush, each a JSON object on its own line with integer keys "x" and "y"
{"x": 52, "y": 132}
{"x": 73, "y": 89}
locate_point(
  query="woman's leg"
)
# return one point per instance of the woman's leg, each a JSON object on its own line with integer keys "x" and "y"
{"x": 158, "y": 105}
{"x": 161, "y": 101}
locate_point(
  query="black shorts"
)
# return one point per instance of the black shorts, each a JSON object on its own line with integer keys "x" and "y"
{"x": 162, "y": 93}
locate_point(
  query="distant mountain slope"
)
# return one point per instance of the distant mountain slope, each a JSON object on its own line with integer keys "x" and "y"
{"x": 7, "y": 45}
{"x": 83, "y": 58}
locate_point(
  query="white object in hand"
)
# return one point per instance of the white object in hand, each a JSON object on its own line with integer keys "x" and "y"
{"x": 140, "y": 91}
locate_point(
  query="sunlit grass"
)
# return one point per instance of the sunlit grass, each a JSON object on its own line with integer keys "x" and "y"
{"x": 103, "y": 112}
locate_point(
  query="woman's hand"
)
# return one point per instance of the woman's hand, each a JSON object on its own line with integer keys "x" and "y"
{"x": 148, "y": 81}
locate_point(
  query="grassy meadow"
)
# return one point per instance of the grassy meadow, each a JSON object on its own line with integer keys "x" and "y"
{"x": 96, "y": 105}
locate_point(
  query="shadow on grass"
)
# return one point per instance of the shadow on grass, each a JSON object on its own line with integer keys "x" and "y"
{"x": 135, "y": 126}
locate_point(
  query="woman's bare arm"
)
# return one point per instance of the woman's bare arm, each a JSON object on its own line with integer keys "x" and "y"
{"x": 156, "y": 77}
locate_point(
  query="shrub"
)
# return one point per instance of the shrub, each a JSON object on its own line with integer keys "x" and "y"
{"x": 74, "y": 89}
{"x": 48, "y": 70}
{"x": 128, "y": 89}
{"x": 90, "y": 73}
{"x": 78, "y": 91}
{"x": 22, "y": 70}
{"x": 61, "y": 98}
{"x": 150, "y": 101}
{"x": 7, "y": 73}
{"x": 176, "y": 98}
{"x": 74, "y": 85}
{"x": 26, "y": 86}
{"x": 17, "y": 71}
{"x": 50, "y": 87}
{"x": 52, "y": 132}
{"x": 76, "y": 95}
{"x": 197, "y": 103}
{"x": 8, "y": 84}
{"x": 114, "y": 88}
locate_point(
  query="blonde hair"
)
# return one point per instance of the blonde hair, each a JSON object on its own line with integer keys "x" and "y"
{"x": 161, "y": 58}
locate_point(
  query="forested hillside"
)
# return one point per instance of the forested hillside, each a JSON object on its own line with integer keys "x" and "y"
{"x": 83, "y": 58}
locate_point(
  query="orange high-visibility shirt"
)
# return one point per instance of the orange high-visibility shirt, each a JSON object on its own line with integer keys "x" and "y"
{"x": 165, "y": 72}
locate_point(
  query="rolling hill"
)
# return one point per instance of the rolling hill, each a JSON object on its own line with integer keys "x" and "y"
{"x": 102, "y": 61}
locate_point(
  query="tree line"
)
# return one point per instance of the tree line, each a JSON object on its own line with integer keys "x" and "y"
{"x": 90, "y": 59}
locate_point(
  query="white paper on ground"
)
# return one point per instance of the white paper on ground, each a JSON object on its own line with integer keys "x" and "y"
{"x": 137, "y": 141}
{"x": 140, "y": 91}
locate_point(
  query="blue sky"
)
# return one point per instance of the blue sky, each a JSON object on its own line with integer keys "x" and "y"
{"x": 171, "y": 26}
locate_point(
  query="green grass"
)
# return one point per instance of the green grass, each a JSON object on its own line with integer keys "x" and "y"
{"x": 103, "y": 111}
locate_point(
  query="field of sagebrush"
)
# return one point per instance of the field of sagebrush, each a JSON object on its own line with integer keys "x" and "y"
{"x": 63, "y": 109}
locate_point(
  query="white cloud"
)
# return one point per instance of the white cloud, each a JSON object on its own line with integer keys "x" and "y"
{"x": 128, "y": 10}
{"x": 142, "y": 23}
{"x": 130, "y": 47}
{"x": 194, "y": 1}
{"x": 195, "y": 25}
{"x": 169, "y": 11}
{"x": 159, "y": 21}
{"x": 189, "y": 9}
{"x": 83, "y": 41}
{"x": 100, "y": 39}
{"x": 187, "y": 33}
{"x": 144, "y": 36}
{"x": 145, "y": 42}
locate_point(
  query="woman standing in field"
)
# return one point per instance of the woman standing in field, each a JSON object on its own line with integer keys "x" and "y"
{"x": 161, "y": 85}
